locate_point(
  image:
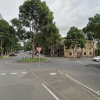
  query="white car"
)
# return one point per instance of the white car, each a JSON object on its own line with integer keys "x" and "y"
{"x": 96, "y": 58}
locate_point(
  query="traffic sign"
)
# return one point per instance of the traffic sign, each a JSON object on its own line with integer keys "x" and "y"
{"x": 39, "y": 49}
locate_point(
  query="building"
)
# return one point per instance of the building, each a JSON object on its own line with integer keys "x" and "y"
{"x": 88, "y": 51}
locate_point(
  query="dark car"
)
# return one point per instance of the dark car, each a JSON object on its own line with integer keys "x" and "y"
{"x": 17, "y": 52}
{"x": 12, "y": 54}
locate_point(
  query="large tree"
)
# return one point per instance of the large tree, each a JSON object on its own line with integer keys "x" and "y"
{"x": 50, "y": 37}
{"x": 35, "y": 15}
{"x": 4, "y": 32}
{"x": 93, "y": 26}
{"x": 75, "y": 37}
{"x": 19, "y": 29}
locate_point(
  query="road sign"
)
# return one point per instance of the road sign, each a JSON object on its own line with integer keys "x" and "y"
{"x": 39, "y": 49}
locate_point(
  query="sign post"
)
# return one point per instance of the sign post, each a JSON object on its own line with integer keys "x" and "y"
{"x": 39, "y": 50}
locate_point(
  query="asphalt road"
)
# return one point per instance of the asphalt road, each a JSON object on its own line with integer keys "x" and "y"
{"x": 56, "y": 79}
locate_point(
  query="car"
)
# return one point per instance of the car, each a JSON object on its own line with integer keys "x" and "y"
{"x": 17, "y": 52}
{"x": 12, "y": 54}
{"x": 97, "y": 58}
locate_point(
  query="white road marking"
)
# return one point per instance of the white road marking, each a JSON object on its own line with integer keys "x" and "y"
{"x": 3, "y": 73}
{"x": 13, "y": 73}
{"x": 24, "y": 72}
{"x": 52, "y": 73}
{"x": 79, "y": 62}
{"x": 61, "y": 72}
{"x": 82, "y": 85}
{"x": 50, "y": 92}
{"x": 50, "y": 86}
{"x": 35, "y": 75}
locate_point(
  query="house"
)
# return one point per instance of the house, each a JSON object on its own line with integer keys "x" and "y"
{"x": 88, "y": 51}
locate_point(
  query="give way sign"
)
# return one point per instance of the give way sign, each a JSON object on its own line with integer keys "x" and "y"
{"x": 39, "y": 49}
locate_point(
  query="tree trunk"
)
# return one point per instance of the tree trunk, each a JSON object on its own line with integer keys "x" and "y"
{"x": 1, "y": 49}
{"x": 51, "y": 51}
{"x": 33, "y": 48}
{"x": 81, "y": 52}
{"x": 11, "y": 49}
{"x": 93, "y": 50}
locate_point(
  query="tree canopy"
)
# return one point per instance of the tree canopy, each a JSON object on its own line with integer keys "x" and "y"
{"x": 93, "y": 27}
{"x": 36, "y": 16}
{"x": 75, "y": 37}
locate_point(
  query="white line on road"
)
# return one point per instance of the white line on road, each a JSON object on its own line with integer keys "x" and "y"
{"x": 24, "y": 72}
{"x": 3, "y": 73}
{"x": 82, "y": 85}
{"x": 13, "y": 73}
{"x": 79, "y": 62}
{"x": 50, "y": 86}
{"x": 50, "y": 92}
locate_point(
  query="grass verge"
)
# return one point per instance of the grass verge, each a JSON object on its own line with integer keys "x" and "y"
{"x": 4, "y": 57}
{"x": 32, "y": 60}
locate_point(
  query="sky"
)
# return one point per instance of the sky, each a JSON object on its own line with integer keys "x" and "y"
{"x": 67, "y": 13}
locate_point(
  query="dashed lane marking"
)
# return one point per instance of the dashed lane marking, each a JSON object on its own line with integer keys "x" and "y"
{"x": 13, "y": 73}
{"x": 24, "y": 72}
{"x": 3, "y": 73}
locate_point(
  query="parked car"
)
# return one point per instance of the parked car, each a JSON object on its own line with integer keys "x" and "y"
{"x": 96, "y": 58}
{"x": 12, "y": 54}
{"x": 17, "y": 52}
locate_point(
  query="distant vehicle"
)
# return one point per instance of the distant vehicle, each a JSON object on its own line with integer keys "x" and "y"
{"x": 17, "y": 52}
{"x": 96, "y": 58}
{"x": 12, "y": 54}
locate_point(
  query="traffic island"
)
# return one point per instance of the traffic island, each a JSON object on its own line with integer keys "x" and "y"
{"x": 32, "y": 60}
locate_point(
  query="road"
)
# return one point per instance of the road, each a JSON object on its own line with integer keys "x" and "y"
{"x": 56, "y": 79}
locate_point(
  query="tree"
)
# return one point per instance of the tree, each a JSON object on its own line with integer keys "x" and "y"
{"x": 93, "y": 26}
{"x": 19, "y": 29}
{"x": 35, "y": 15}
{"x": 4, "y": 32}
{"x": 51, "y": 36}
{"x": 75, "y": 37}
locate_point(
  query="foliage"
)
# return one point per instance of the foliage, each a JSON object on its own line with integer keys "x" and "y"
{"x": 19, "y": 47}
{"x": 93, "y": 26}
{"x": 35, "y": 15}
{"x": 20, "y": 30}
{"x": 50, "y": 36}
{"x": 8, "y": 36}
{"x": 75, "y": 37}
{"x": 27, "y": 47}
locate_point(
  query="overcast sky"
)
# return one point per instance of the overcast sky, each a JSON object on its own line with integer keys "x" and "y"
{"x": 67, "y": 13}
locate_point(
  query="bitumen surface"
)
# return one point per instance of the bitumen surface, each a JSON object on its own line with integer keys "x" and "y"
{"x": 56, "y": 79}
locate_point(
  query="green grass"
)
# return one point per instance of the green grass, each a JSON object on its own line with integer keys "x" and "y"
{"x": 32, "y": 60}
{"x": 4, "y": 57}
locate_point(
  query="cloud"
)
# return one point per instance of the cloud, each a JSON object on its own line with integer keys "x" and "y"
{"x": 67, "y": 13}
{"x": 70, "y": 13}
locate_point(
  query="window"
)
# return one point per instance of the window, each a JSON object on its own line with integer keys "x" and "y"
{"x": 90, "y": 53}
{"x": 84, "y": 53}
{"x": 70, "y": 54}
